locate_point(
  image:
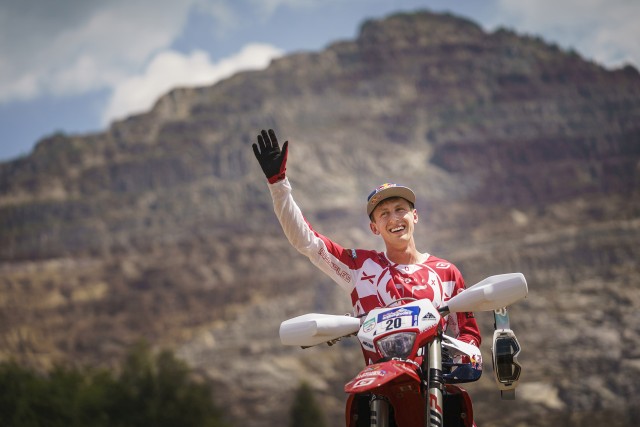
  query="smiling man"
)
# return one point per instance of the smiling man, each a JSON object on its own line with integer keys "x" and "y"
{"x": 373, "y": 279}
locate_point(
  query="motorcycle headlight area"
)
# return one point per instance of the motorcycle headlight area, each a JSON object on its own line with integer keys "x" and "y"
{"x": 397, "y": 345}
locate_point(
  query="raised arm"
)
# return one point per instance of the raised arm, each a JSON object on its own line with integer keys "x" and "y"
{"x": 325, "y": 254}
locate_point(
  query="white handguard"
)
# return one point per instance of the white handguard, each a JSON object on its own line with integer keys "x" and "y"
{"x": 313, "y": 329}
{"x": 490, "y": 294}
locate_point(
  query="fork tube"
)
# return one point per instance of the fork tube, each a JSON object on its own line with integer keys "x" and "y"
{"x": 434, "y": 413}
{"x": 379, "y": 411}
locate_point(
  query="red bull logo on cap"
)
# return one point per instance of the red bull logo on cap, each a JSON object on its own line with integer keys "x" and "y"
{"x": 387, "y": 190}
{"x": 384, "y": 186}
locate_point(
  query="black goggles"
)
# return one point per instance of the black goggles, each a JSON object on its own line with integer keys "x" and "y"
{"x": 505, "y": 354}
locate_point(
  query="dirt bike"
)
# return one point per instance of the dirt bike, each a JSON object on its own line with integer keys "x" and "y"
{"x": 414, "y": 368}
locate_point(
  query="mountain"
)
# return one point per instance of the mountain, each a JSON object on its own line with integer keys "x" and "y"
{"x": 525, "y": 157}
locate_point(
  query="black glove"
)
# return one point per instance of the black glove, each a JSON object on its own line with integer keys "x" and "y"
{"x": 272, "y": 160}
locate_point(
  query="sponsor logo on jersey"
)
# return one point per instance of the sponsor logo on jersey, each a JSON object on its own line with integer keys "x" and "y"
{"x": 344, "y": 275}
{"x": 368, "y": 277}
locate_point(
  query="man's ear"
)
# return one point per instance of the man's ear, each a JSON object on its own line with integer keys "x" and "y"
{"x": 374, "y": 228}
{"x": 415, "y": 216}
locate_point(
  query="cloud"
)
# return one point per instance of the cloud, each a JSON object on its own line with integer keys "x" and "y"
{"x": 603, "y": 30}
{"x": 66, "y": 48}
{"x": 268, "y": 7}
{"x": 170, "y": 69}
{"x": 69, "y": 47}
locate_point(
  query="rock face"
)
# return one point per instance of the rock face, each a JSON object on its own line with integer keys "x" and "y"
{"x": 524, "y": 157}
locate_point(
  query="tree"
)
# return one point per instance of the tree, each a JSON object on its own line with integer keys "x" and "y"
{"x": 155, "y": 391}
{"x": 161, "y": 392}
{"x": 305, "y": 411}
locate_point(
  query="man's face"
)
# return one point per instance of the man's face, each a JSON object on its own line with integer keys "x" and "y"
{"x": 394, "y": 220}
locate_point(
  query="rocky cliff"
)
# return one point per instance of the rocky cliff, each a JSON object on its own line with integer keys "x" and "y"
{"x": 525, "y": 158}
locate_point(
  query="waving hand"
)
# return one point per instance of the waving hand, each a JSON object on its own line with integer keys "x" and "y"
{"x": 273, "y": 161}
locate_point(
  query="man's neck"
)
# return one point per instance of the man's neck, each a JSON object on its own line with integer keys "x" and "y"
{"x": 408, "y": 255}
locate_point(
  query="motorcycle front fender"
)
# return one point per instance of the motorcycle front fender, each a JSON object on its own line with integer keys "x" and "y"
{"x": 379, "y": 375}
{"x": 394, "y": 380}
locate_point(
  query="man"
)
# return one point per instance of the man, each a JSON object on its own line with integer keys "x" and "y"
{"x": 373, "y": 279}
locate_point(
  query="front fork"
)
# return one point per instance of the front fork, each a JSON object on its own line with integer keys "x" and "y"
{"x": 434, "y": 387}
{"x": 379, "y": 411}
{"x": 433, "y": 390}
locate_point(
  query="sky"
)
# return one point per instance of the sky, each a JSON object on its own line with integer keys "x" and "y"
{"x": 74, "y": 66}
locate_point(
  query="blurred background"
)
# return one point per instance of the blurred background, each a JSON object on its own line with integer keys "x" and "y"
{"x": 74, "y": 66}
{"x": 138, "y": 246}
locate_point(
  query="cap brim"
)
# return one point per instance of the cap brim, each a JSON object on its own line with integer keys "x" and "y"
{"x": 387, "y": 193}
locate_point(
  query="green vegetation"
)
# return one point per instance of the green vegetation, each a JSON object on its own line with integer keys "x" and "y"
{"x": 149, "y": 391}
{"x": 305, "y": 411}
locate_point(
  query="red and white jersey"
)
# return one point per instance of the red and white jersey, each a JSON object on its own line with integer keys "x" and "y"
{"x": 368, "y": 276}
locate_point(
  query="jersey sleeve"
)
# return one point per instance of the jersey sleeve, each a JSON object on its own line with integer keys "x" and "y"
{"x": 334, "y": 260}
{"x": 467, "y": 327}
